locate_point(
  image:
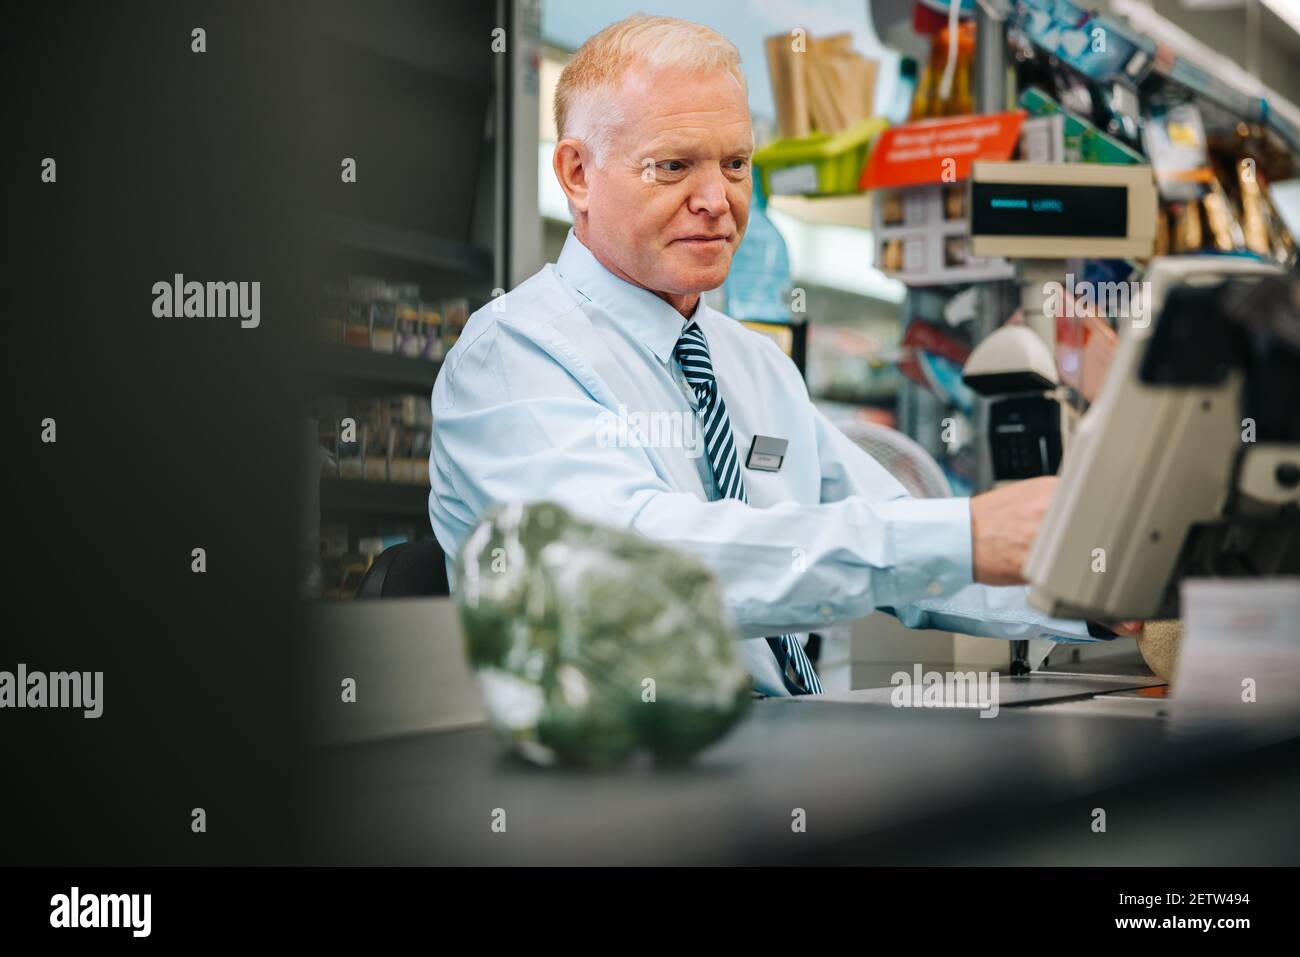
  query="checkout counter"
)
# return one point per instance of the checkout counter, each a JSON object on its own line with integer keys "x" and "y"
{"x": 410, "y": 774}
{"x": 1157, "y": 474}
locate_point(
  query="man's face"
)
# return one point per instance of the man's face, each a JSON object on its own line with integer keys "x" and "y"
{"x": 670, "y": 204}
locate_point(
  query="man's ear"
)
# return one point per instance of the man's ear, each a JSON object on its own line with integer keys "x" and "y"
{"x": 571, "y": 162}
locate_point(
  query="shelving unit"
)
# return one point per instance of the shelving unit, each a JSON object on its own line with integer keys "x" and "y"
{"x": 426, "y": 104}
{"x": 341, "y": 368}
{"x": 361, "y": 497}
{"x": 408, "y": 247}
{"x": 1182, "y": 59}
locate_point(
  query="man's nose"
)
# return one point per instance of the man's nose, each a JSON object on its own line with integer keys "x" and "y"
{"x": 709, "y": 193}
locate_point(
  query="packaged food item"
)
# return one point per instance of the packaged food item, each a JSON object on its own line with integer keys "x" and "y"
{"x": 431, "y": 320}
{"x": 401, "y": 467}
{"x": 410, "y": 331}
{"x": 1174, "y": 139}
{"x": 891, "y": 255}
{"x": 383, "y": 322}
{"x": 930, "y": 101}
{"x": 455, "y": 313}
{"x": 1224, "y": 230}
{"x": 1187, "y": 228}
{"x": 352, "y": 443}
{"x": 1081, "y": 141}
{"x": 377, "y": 440}
{"x": 1253, "y": 221}
{"x": 954, "y": 203}
{"x": 356, "y": 332}
{"x": 421, "y": 440}
{"x": 923, "y": 237}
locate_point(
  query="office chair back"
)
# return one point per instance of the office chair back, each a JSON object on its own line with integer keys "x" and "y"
{"x": 407, "y": 570}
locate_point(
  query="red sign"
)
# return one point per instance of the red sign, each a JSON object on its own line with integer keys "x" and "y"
{"x": 939, "y": 151}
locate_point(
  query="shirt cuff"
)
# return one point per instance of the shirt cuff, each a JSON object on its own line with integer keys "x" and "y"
{"x": 931, "y": 547}
{"x": 1098, "y": 630}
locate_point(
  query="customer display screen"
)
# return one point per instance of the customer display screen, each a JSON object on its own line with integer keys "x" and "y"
{"x": 1039, "y": 209}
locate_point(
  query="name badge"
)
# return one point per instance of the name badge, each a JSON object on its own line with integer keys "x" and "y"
{"x": 766, "y": 453}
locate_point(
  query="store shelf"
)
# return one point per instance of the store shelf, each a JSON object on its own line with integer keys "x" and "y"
{"x": 852, "y": 210}
{"x": 1208, "y": 73}
{"x": 373, "y": 498}
{"x": 408, "y": 246}
{"x": 352, "y": 369}
{"x": 884, "y": 398}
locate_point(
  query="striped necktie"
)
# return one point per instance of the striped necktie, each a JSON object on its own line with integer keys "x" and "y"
{"x": 692, "y": 352}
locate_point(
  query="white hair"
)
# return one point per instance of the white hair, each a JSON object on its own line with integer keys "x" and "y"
{"x": 583, "y": 109}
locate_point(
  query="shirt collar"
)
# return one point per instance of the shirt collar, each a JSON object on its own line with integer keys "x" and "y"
{"x": 641, "y": 312}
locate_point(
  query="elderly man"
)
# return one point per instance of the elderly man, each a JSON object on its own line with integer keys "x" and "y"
{"x": 799, "y": 525}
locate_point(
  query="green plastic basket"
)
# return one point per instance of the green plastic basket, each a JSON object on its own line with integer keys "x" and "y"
{"x": 820, "y": 164}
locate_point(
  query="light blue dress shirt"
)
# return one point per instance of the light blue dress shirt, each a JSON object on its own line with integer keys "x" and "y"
{"x": 566, "y": 389}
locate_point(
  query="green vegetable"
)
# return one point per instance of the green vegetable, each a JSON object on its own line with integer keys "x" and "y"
{"x": 590, "y": 643}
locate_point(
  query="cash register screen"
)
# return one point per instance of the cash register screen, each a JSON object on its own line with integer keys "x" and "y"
{"x": 1039, "y": 209}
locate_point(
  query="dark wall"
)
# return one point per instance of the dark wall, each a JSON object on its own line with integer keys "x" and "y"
{"x": 183, "y": 433}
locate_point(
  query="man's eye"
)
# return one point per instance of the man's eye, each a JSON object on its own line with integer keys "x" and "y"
{"x": 738, "y": 164}
{"x": 673, "y": 166}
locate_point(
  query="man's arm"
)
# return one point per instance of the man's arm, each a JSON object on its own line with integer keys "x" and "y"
{"x": 996, "y": 530}
{"x": 512, "y": 424}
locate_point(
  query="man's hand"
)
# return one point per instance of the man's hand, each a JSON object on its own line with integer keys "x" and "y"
{"x": 1003, "y": 524}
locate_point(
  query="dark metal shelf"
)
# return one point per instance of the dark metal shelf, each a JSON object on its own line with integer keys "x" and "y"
{"x": 373, "y": 498}
{"x": 409, "y": 246}
{"x": 878, "y": 399}
{"x": 351, "y": 368}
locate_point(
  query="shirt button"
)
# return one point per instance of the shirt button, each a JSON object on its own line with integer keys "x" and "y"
{"x": 934, "y": 588}
{"x": 825, "y": 611}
